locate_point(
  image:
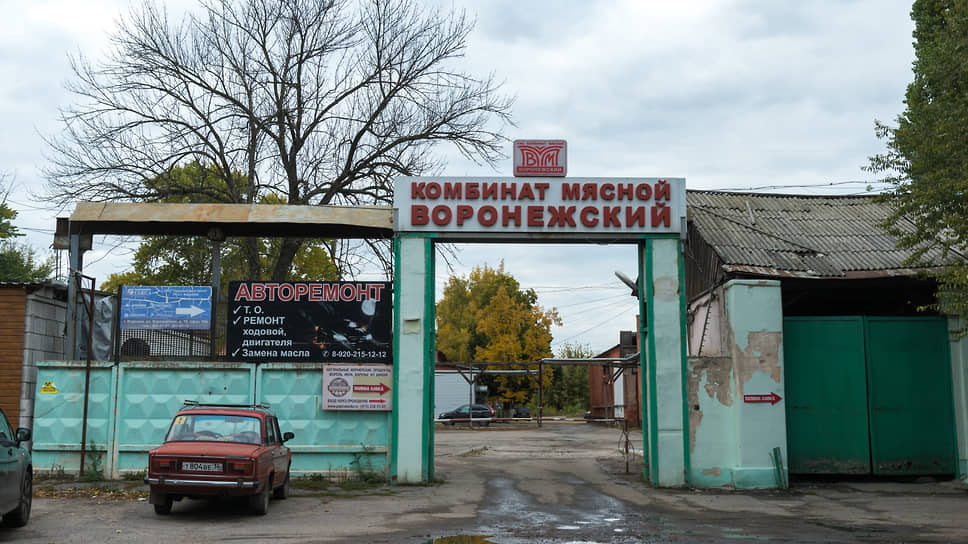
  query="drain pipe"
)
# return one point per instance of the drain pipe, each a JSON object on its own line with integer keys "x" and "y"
{"x": 87, "y": 369}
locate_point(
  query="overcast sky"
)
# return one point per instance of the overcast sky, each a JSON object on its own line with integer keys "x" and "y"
{"x": 733, "y": 95}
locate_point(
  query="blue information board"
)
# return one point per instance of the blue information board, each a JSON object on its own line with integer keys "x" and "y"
{"x": 166, "y": 307}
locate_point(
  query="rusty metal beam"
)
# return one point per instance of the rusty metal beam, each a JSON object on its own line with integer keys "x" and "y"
{"x": 232, "y": 220}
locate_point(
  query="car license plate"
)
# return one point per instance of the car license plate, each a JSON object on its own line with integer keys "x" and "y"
{"x": 191, "y": 466}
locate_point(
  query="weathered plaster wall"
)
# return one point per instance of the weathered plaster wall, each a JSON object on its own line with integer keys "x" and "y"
{"x": 712, "y": 444}
{"x": 754, "y": 325}
{"x": 731, "y": 441}
{"x": 959, "y": 382}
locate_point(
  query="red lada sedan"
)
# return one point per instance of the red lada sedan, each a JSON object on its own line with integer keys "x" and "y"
{"x": 220, "y": 450}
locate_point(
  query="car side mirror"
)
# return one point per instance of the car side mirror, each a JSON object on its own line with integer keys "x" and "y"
{"x": 23, "y": 435}
{"x": 287, "y": 436}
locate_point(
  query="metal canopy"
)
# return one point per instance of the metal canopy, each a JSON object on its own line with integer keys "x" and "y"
{"x": 232, "y": 220}
{"x": 214, "y": 221}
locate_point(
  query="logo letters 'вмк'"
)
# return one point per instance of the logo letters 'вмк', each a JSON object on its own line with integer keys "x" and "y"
{"x": 540, "y": 158}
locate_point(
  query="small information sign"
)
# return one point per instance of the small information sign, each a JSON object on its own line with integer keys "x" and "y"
{"x": 771, "y": 399}
{"x": 166, "y": 307}
{"x": 357, "y": 387}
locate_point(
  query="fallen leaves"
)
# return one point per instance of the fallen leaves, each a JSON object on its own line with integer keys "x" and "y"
{"x": 95, "y": 493}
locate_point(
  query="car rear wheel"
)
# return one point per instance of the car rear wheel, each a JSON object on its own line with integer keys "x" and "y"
{"x": 282, "y": 492}
{"x": 164, "y": 508}
{"x": 20, "y": 516}
{"x": 260, "y": 501}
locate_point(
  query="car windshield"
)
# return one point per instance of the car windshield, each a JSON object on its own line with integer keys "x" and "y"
{"x": 215, "y": 428}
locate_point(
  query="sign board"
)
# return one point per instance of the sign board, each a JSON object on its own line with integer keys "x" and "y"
{"x": 357, "y": 387}
{"x": 310, "y": 322}
{"x": 540, "y": 158}
{"x": 166, "y": 307}
{"x": 540, "y": 208}
{"x": 772, "y": 398}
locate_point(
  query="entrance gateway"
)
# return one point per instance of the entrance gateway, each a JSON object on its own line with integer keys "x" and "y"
{"x": 649, "y": 213}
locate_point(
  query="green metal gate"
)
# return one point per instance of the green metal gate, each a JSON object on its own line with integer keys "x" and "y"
{"x": 869, "y": 395}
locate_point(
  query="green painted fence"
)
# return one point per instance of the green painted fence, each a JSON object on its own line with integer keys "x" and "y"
{"x": 130, "y": 406}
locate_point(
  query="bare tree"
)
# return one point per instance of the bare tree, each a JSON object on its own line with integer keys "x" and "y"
{"x": 316, "y": 101}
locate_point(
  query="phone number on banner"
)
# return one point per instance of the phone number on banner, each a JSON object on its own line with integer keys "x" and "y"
{"x": 354, "y": 354}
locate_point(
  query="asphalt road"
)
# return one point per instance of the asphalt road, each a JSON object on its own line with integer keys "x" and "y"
{"x": 563, "y": 483}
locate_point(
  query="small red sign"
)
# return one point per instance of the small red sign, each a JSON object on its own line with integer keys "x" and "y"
{"x": 772, "y": 398}
{"x": 375, "y": 388}
{"x": 540, "y": 158}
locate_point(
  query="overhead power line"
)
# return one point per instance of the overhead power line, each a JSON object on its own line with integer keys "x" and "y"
{"x": 805, "y": 186}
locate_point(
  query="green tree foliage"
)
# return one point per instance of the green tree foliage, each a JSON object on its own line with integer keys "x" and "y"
{"x": 488, "y": 317}
{"x": 315, "y": 102}
{"x": 569, "y": 391}
{"x": 18, "y": 263}
{"x": 927, "y": 152}
{"x": 180, "y": 260}
{"x": 7, "y": 228}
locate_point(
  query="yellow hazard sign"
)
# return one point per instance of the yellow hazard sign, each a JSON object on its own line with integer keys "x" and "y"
{"x": 48, "y": 387}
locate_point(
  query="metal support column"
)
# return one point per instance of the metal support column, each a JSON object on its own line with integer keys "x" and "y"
{"x": 75, "y": 255}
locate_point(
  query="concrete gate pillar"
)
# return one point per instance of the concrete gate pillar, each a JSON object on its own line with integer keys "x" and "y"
{"x": 663, "y": 333}
{"x": 959, "y": 382}
{"x": 754, "y": 336}
{"x": 413, "y": 359}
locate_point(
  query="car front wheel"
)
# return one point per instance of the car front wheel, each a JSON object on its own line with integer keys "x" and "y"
{"x": 20, "y": 516}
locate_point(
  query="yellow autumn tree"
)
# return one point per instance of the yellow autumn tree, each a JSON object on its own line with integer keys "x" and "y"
{"x": 489, "y": 317}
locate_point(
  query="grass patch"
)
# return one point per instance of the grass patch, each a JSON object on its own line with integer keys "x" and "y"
{"x": 91, "y": 476}
{"x": 351, "y": 482}
{"x": 359, "y": 485}
{"x": 56, "y": 473}
{"x": 134, "y": 476}
{"x": 93, "y": 471}
{"x": 312, "y": 482}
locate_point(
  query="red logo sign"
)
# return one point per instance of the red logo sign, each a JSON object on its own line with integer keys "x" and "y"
{"x": 540, "y": 158}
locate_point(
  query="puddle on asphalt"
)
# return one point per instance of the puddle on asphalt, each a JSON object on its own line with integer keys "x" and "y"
{"x": 460, "y": 539}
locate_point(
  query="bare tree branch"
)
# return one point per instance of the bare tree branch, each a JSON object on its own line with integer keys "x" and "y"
{"x": 314, "y": 101}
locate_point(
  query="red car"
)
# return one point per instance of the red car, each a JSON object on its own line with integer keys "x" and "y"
{"x": 220, "y": 450}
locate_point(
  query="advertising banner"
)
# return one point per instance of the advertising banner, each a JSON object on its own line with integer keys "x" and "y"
{"x": 357, "y": 387}
{"x": 166, "y": 307}
{"x": 310, "y": 322}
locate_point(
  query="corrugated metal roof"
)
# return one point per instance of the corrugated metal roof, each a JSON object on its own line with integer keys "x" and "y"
{"x": 810, "y": 235}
